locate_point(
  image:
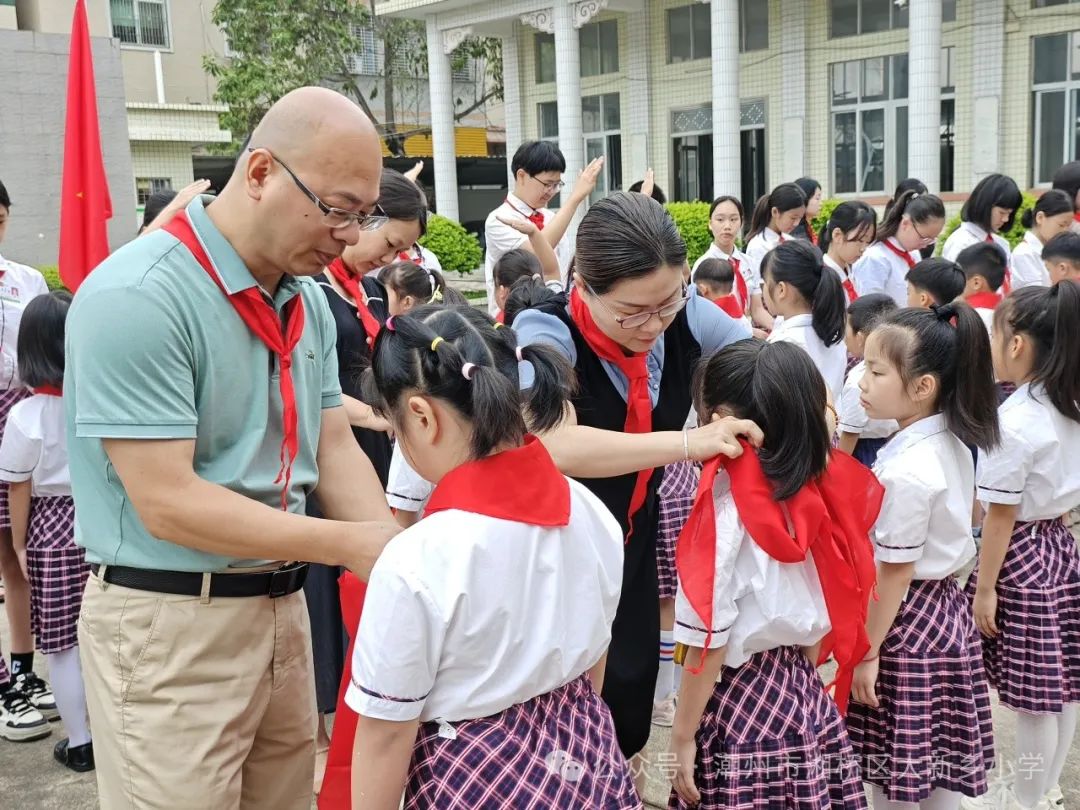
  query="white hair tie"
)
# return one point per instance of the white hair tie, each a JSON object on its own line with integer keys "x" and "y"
{"x": 467, "y": 370}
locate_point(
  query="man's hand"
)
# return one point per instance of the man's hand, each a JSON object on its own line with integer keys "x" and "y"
{"x": 721, "y": 437}
{"x": 371, "y": 539}
{"x": 178, "y": 204}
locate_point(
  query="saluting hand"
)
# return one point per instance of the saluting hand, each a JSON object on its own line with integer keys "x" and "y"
{"x": 586, "y": 183}
{"x": 519, "y": 224}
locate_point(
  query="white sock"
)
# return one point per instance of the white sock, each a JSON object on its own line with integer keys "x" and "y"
{"x": 665, "y": 678}
{"x": 941, "y": 799}
{"x": 1036, "y": 744}
{"x": 1066, "y": 732}
{"x": 65, "y": 673}
{"x": 881, "y": 802}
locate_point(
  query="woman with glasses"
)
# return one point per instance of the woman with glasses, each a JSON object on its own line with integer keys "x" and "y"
{"x": 914, "y": 222}
{"x": 634, "y": 332}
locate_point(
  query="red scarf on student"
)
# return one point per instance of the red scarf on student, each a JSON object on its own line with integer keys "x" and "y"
{"x": 810, "y": 233}
{"x": 984, "y": 300}
{"x": 48, "y": 390}
{"x": 638, "y": 400}
{"x": 262, "y": 319}
{"x": 536, "y": 217}
{"x": 831, "y": 518}
{"x": 903, "y": 254}
{"x": 740, "y": 285}
{"x": 534, "y": 492}
{"x": 731, "y": 305}
{"x": 849, "y": 288}
{"x": 351, "y": 284}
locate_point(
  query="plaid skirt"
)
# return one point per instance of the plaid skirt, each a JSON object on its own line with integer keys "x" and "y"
{"x": 1034, "y": 661}
{"x": 58, "y": 573}
{"x": 556, "y": 750}
{"x": 771, "y": 737}
{"x": 8, "y": 399}
{"x": 676, "y": 496}
{"x": 933, "y": 727}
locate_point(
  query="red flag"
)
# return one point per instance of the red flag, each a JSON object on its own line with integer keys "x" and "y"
{"x": 85, "y": 204}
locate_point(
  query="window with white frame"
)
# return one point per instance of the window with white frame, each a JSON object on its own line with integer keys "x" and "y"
{"x": 598, "y": 45}
{"x": 140, "y": 22}
{"x": 689, "y": 30}
{"x": 602, "y": 132}
{"x": 870, "y": 123}
{"x": 1055, "y": 103}
{"x": 851, "y": 17}
{"x": 145, "y": 187}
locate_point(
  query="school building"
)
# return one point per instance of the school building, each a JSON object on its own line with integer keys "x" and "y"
{"x": 735, "y": 96}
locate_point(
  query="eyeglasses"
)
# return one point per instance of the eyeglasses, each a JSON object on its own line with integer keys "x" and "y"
{"x": 333, "y": 217}
{"x": 558, "y": 185}
{"x": 639, "y": 319}
{"x": 926, "y": 239}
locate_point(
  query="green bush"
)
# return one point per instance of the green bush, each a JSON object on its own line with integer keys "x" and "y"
{"x": 692, "y": 220}
{"x": 52, "y": 276}
{"x": 827, "y": 207}
{"x": 458, "y": 250}
{"x": 1015, "y": 235}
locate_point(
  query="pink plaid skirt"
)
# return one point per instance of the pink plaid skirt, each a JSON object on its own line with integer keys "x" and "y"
{"x": 932, "y": 728}
{"x": 1034, "y": 661}
{"x": 676, "y": 496}
{"x": 58, "y": 572}
{"x": 8, "y": 399}
{"x": 557, "y": 750}
{"x": 771, "y": 738}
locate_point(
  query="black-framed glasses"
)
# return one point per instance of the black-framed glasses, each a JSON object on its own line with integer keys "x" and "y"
{"x": 333, "y": 217}
{"x": 926, "y": 239}
{"x": 639, "y": 319}
{"x": 558, "y": 185}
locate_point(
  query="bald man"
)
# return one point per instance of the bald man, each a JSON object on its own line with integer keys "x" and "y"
{"x": 203, "y": 409}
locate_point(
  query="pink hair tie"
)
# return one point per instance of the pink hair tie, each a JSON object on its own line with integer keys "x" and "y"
{"x": 517, "y": 351}
{"x": 467, "y": 370}
{"x": 390, "y": 323}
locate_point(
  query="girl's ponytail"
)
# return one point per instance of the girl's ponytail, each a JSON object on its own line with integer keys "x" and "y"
{"x": 969, "y": 400}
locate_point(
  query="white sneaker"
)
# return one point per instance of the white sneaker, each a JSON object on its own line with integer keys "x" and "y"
{"x": 1055, "y": 798}
{"x": 19, "y": 721}
{"x": 663, "y": 712}
{"x": 37, "y": 693}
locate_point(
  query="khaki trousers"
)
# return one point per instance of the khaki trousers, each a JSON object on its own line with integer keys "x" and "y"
{"x": 200, "y": 704}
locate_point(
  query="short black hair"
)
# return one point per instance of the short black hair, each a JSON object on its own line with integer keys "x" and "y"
{"x": 993, "y": 190}
{"x": 941, "y": 278}
{"x": 1067, "y": 178}
{"x": 865, "y": 311}
{"x": 515, "y": 264}
{"x": 657, "y": 192}
{"x": 716, "y": 272}
{"x": 5, "y": 200}
{"x": 1063, "y": 247}
{"x": 400, "y": 198}
{"x": 527, "y": 293}
{"x": 536, "y": 157}
{"x": 41, "y": 339}
{"x": 983, "y": 259}
{"x": 155, "y": 205}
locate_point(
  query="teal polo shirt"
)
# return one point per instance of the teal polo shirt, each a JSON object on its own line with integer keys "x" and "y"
{"x": 155, "y": 350}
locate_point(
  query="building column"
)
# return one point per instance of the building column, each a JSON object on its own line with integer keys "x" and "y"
{"x": 568, "y": 94}
{"x": 987, "y": 37}
{"x": 441, "y": 87}
{"x": 793, "y": 97}
{"x": 924, "y": 92}
{"x": 724, "y": 19}
{"x": 511, "y": 98}
{"x": 636, "y": 122}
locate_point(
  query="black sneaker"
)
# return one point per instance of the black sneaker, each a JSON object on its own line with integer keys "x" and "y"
{"x": 79, "y": 758}
{"x": 37, "y": 693}
{"x": 19, "y": 721}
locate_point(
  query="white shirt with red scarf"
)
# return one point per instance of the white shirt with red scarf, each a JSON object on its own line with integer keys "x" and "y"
{"x": 883, "y": 268}
{"x": 19, "y": 284}
{"x": 971, "y": 234}
{"x": 756, "y": 249}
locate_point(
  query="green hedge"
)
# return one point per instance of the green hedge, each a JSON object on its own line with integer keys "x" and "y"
{"x": 52, "y": 276}
{"x": 692, "y": 220}
{"x": 458, "y": 250}
{"x": 1015, "y": 235}
{"x": 827, "y": 207}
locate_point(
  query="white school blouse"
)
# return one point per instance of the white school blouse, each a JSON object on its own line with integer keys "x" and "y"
{"x": 929, "y": 480}
{"x": 1037, "y": 465}
{"x": 880, "y": 270}
{"x": 34, "y": 447}
{"x": 19, "y": 285}
{"x": 466, "y": 615}
{"x": 753, "y": 281}
{"x": 502, "y": 239}
{"x": 756, "y": 249}
{"x": 841, "y": 273}
{"x": 1028, "y": 269}
{"x": 405, "y": 488}
{"x": 852, "y": 415}
{"x": 970, "y": 234}
{"x": 758, "y": 602}
{"x": 831, "y": 361}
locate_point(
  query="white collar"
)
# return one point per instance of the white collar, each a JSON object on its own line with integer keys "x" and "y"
{"x": 835, "y": 266}
{"x": 805, "y": 320}
{"x": 912, "y": 434}
{"x": 975, "y": 230}
{"x": 1033, "y": 240}
{"x": 520, "y": 206}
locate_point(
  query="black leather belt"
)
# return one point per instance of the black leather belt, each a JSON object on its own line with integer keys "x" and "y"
{"x": 281, "y": 582}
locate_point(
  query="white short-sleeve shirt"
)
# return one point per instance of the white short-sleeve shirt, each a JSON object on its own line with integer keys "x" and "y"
{"x": 971, "y": 234}
{"x": 466, "y": 615}
{"x": 852, "y": 415}
{"x": 929, "y": 480}
{"x": 406, "y": 490}
{"x": 841, "y": 273}
{"x": 1037, "y": 464}
{"x": 502, "y": 239}
{"x": 758, "y": 602}
{"x": 746, "y": 270}
{"x": 19, "y": 285}
{"x": 34, "y": 447}
{"x": 880, "y": 270}
{"x": 756, "y": 249}
{"x": 831, "y": 361}
{"x": 1028, "y": 269}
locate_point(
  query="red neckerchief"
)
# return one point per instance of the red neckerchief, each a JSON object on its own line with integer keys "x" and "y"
{"x": 500, "y": 317}
{"x": 849, "y": 288}
{"x": 831, "y": 518}
{"x": 533, "y": 490}
{"x": 536, "y": 217}
{"x": 1006, "y": 283}
{"x": 48, "y": 390}
{"x": 740, "y": 284}
{"x": 810, "y": 232}
{"x": 262, "y": 319}
{"x": 731, "y": 305}
{"x": 984, "y": 300}
{"x": 638, "y": 401}
{"x": 351, "y": 283}
{"x": 903, "y": 254}
{"x": 1076, "y": 216}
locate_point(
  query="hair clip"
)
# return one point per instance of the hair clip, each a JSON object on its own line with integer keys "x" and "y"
{"x": 517, "y": 351}
{"x": 390, "y": 324}
{"x": 435, "y": 343}
{"x": 467, "y": 370}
